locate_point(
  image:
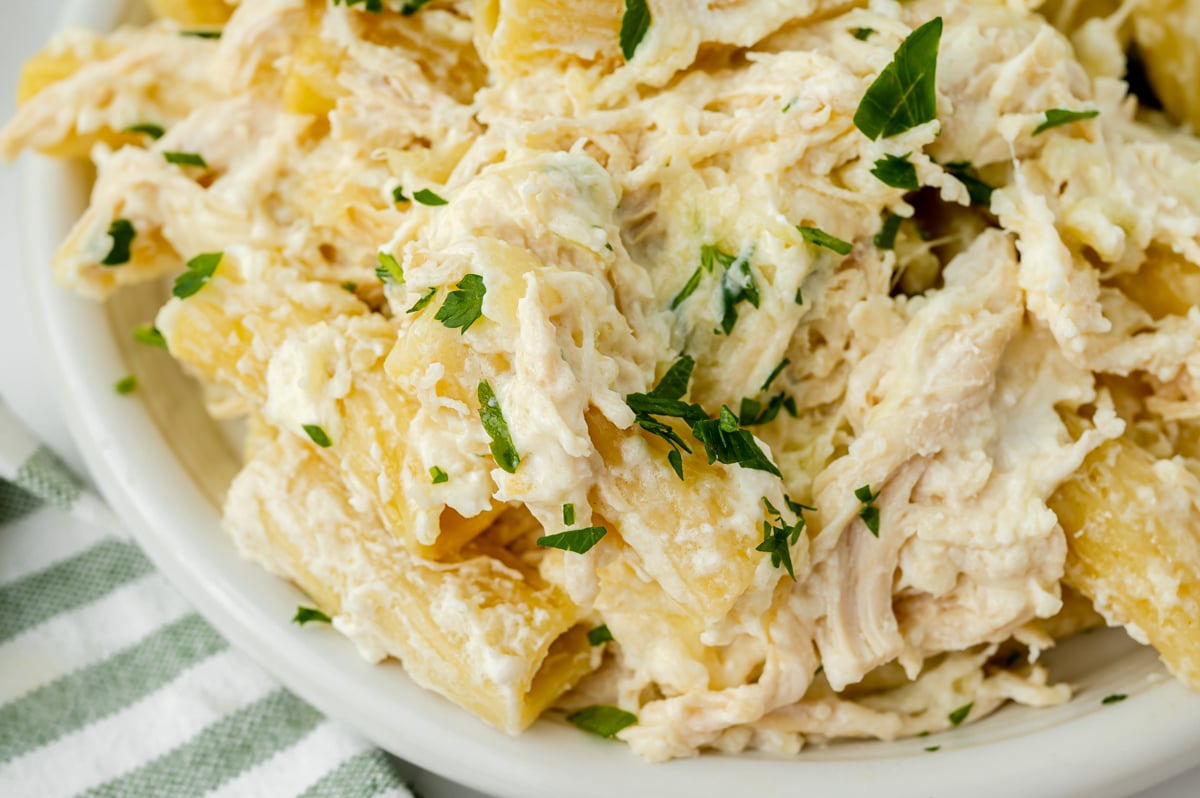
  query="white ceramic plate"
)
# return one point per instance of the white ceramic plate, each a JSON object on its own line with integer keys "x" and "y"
{"x": 163, "y": 465}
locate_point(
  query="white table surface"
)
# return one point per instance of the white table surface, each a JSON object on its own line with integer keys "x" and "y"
{"x": 24, "y": 383}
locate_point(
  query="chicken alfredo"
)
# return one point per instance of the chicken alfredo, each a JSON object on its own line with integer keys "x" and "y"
{"x": 715, "y": 375}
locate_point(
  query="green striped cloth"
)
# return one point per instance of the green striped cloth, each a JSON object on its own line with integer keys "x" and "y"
{"x": 111, "y": 686}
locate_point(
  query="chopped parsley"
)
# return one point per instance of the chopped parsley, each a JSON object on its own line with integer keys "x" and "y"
{"x": 724, "y": 441}
{"x": 1056, "y": 117}
{"x": 201, "y": 34}
{"x": 389, "y": 269}
{"x": 503, "y": 450}
{"x": 775, "y": 372}
{"x": 438, "y": 475}
{"x": 979, "y": 191}
{"x": 599, "y": 635}
{"x": 398, "y": 195}
{"x": 869, "y": 512}
{"x": 126, "y": 385}
{"x": 788, "y": 105}
{"x": 737, "y": 285}
{"x": 411, "y": 7}
{"x": 350, "y": 286}
{"x": 1115, "y": 698}
{"x": 800, "y": 296}
{"x": 425, "y": 299}
{"x": 464, "y": 305}
{"x": 150, "y": 336}
{"x": 905, "y": 93}
{"x": 200, "y": 270}
{"x": 634, "y": 25}
{"x": 933, "y": 749}
{"x": 753, "y": 413}
{"x": 815, "y": 235}
{"x": 122, "y": 234}
{"x": 959, "y": 715}
{"x": 185, "y": 159}
{"x": 318, "y": 435}
{"x": 427, "y": 197}
{"x": 579, "y": 541}
{"x": 309, "y": 615}
{"x": 153, "y": 131}
{"x": 779, "y": 536}
{"x": 568, "y": 514}
{"x": 602, "y": 720}
{"x": 862, "y": 34}
{"x": 886, "y": 237}
{"x": 897, "y": 171}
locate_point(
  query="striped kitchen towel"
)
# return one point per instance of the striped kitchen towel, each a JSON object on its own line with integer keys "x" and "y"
{"x": 111, "y": 686}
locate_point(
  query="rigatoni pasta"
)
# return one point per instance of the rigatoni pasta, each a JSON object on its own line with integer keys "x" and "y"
{"x": 728, "y": 377}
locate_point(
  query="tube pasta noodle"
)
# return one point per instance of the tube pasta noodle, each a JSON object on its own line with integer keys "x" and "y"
{"x": 662, "y": 316}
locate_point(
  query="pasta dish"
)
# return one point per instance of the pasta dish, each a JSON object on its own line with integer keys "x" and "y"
{"x": 727, "y": 376}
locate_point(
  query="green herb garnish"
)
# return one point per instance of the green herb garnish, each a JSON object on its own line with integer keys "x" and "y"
{"x": 869, "y": 512}
{"x": 905, "y": 93}
{"x": 350, "y": 286}
{"x": 503, "y": 450}
{"x": 153, "y": 131}
{"x": 737, "y": 285}
{"x": 464, "y": 305}
{"x": 599, "y": 635}
{"x": 815, "y": 235}
{"x": 200, "y": 270}
{"x": 310, "y": 614}
{"x": 862, "y": 34}
{"x": 897, "y": 171}
{"x": 579, "y": 541}
{"x": 318, "y": 435}
{"x": 427, "y": 197}
{"x": 420, "y": 304}
{"x": 602, "y": 720}
{"x": 886, "y": 237}
{"x": 150, "y": 336}
{"x": 775, "y": 372}
{"x": 438, "y": 475}
{"x": 389, "y": 269}
{"x": 568, "y": 514}
{"x": 201, "y": 34}
{"x": 725, "y": 442}
{"x": 1056, "y": 117}
{"x": 780, "y": 536}
{"x": 634, "y": 25}
{"x": 185, "y": 159}
{"x": 959, "y": 715}
{"x": 126, "y": 385}
{"x": 122, "y": 234}
{"x": 398, "y": 195}
{"x": 411, "y": 7}
{"x": 1115, "y": 698}
{"x": 933, "y": 748}
{"x": 979, "y": 191}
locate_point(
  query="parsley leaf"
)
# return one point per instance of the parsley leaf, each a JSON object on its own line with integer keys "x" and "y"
{"x": 398, "y": 195}
{"x": 710, "y": 255}
{"x": 1057, "y": 117}
{"x": 724, "y": 442}
{"x": 420, "y": 304}
{"x": 150, "y": 336}
{"x": 310, "y": 614}
{"x": 503, "y": 450}
{"x": 350, "y": 286}
{"x": 438, "y": 475}
{"x": 427, "y": 197}
{"x": 318, "y": 435}
{"x": 126, "y": 385}
{"x": 389, "y": 269}
{"x": 778, "y": 538}
{"x": 153, "y": 131}
{"x": 122, "y": 234}
{"x": 576, "y": 540}
{"x": 634, "y": 25}
{"x": 201, "y": 34}
{"x": 737, "y": 285}
{"x": 1115, "y": 698}
{"x": 869, "y": 512}
{"x": 905, "y": 93}
{"x": 897, "y": 172}
{"x": 979, "y": 191}
{"x": 752, "y": 413}
{"x": 862, "y": 34}
{"x": 933, "y": 749}
{"x": 815, "y": 235}
{"x": 959, "y": 715}
{"x": 599, "y": 635}
{"x": 602, "y": 720}
{"x": 411, "y": 7}
{"x": 568, "y": 514}
{"x": 463, "y": 306}
{"x": 775, "y": 372}
{"x": 200, "y": 270}
{"x": 185, "y": 159}
{"x": 886, "y": 237}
